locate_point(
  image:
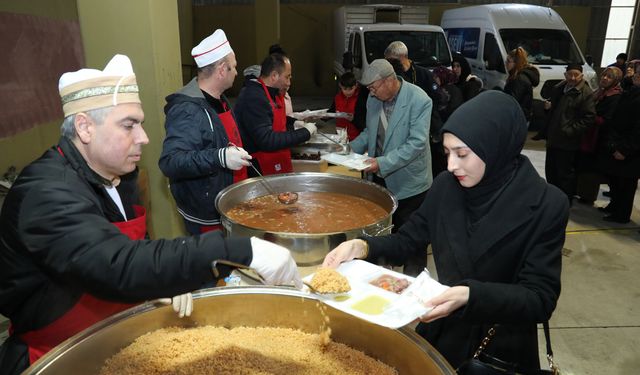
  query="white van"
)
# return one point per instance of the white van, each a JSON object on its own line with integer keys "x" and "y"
{"x": 363, "y": 32}
{"x": 484, "y": 34}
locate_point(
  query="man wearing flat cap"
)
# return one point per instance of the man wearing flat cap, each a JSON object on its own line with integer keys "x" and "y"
{"x": 73, "y": 247}
{"x": 572, "y": 112}
{"x": 202, "y": 152}
{"x": 266, "y": 130}
{"x": 397, "y": 140}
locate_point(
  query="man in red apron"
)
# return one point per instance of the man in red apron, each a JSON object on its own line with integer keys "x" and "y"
{"x": 267, "y": 133}
{"x": 72, "y": 242}
{"x": 202, "y": 152}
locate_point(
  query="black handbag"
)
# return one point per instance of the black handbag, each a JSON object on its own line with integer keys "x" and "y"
{"x": 483, "y": 364}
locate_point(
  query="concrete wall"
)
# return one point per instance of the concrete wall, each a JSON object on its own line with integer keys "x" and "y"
{"x": 23, "y": 148}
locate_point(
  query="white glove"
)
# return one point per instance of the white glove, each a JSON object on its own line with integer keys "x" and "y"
{"x": 310, "y": 126}
{"x": 182, "y": 304}
{"x": 235, "y": 158}
{"x": 274, "y": 263}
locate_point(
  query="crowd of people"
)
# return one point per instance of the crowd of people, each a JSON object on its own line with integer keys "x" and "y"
{"x": 74, "y": 247}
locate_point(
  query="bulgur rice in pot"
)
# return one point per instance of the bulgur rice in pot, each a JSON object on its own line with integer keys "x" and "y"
{"x": 240, "y": 350}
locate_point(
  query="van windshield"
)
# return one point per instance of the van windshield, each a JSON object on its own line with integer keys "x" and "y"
{"x": 544, "y": 46}
{"x": 426, "y": 48}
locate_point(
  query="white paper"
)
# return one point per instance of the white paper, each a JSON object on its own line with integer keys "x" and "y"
{"x": 353, "y": 160}
{"x": 400, "y": 310}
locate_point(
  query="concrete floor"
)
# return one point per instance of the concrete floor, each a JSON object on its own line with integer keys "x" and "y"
{"x": 595, "y": 329}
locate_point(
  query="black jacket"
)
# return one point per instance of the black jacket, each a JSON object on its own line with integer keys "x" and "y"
{"x": 512, "y": 268}
{"x": 192, "y": 152}
{"x": 57, "y": 241}
{"x": 623, "y": 135}
{"x": 255, "y": 121}
{"x": 521, "y": 88}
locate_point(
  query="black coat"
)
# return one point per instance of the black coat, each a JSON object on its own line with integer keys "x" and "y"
{"x": 57, "y": 241}
{"x": 511, "y": 263}
{"x": 623, "y": 135}
{"x": 521, "y": 88}
{"x": 571, "y": 115}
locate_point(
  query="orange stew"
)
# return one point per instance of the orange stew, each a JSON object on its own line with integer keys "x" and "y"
{"x": 314, "y": 212}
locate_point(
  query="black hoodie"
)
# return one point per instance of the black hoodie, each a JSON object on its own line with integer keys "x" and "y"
{"x": 521, "y": 88}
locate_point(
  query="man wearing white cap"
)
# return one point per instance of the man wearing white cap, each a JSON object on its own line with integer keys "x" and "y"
{"x": 73, "y": 247}
{"x": 202, "y": 152}
{"x": 266, "y": 130}
{"x": 397, "y": 140}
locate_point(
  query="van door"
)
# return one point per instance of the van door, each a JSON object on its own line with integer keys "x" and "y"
{"x": 494, "y": 75}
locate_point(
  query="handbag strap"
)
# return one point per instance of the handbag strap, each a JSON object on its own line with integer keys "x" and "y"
{"x": 547, "y": 336}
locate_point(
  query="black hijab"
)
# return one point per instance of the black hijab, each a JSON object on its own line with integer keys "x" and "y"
{"x": 493, "y": 125}
{"x": 465, "y": 68}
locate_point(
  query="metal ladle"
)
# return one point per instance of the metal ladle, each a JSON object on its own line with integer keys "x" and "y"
{"x": 284, "y": 198}
{"x": 346, "y": 149}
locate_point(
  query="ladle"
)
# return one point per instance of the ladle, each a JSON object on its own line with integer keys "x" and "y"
{"x": 284, "y": 198}
{"x": 346, "y": 149}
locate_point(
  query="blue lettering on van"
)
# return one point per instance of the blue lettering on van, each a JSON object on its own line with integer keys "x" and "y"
{"x": 464, "y": 40}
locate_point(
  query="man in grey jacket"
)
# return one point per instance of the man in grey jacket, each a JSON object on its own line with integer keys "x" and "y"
{"x": 397, "y": 140}
{"x": 571, "y": 113}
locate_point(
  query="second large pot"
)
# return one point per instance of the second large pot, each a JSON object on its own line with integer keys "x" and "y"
{"x": 308, "y": 249}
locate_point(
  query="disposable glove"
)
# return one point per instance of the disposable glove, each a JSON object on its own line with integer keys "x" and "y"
{"x": 274, "y": 263}
{"x": 235, "y": 158}
{"x": 182, "y": 304}
{"x": 310, "y": 126}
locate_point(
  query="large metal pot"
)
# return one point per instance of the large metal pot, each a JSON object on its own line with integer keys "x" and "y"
{"x": 86, "y": 352}
{"x": 308, "y": 249}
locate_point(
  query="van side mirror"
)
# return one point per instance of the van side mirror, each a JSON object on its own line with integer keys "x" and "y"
{"x": 347, "y": 61}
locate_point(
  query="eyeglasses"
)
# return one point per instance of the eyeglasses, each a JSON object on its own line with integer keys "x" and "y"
{"x": 376, "y": 85}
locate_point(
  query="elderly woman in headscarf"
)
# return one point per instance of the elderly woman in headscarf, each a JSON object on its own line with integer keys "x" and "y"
{"x": 496, "y": 229}
{"x": 619, "y": 157}
{"x": 606, "y": 97}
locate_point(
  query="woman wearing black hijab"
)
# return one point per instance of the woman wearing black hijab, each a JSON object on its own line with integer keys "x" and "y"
{"x": 469, "y": 84}
{"x": 496, "y": 229}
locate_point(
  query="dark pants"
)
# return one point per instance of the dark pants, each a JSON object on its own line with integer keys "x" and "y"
{"x": 196, "y": 229}
{"x": 559, "y": 168}
{"x": 623, "y": 191}
{"x": 416, "y": 262}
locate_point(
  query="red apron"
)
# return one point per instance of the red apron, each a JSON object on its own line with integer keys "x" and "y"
{"x": 274, "y": 162}
{"x": 88, "y": 310}
{"x": 233, "y": 134}
{"x": 348, "y": 105}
